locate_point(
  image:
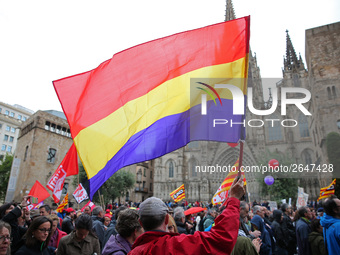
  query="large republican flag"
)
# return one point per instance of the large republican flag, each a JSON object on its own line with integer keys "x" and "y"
{"x": 136, "y": 106}
{"x": 222, "y": 192}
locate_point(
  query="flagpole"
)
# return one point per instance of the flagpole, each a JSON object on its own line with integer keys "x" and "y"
{"x": 240, "y": 159}
{"x": 78, "y": 186}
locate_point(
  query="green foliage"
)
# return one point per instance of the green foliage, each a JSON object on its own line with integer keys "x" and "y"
{"x": 333, "y": 152}
{"x": 118, "y": 185}
{"x": 115, "y": 187}
{"x": 5, "y": 171}
{"x": 285, "y": 185}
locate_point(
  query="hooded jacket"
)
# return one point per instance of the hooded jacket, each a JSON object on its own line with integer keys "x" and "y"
{"x": 266, "y": 247}
{"x": 331, "y": 233}
{"x": 220, "y": 240}
{"x": 317, "y": 244}
{"x": 279, "y": 234}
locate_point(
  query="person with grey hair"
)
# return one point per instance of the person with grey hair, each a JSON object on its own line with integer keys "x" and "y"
{"x": 210, "y": 218}
{"x": 98, "y": 224}
{"x": 257, "y": 209}
{"x": 154, "y": 218}
{"x": 179, "y": 218}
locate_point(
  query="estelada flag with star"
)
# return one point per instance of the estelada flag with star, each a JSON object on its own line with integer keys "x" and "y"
{"x": 327, "y": 191}
{"x": 178, "y": 194}
{"x": 222, "y": 192}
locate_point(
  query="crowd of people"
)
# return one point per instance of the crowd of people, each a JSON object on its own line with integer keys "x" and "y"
{"x": 156, "y": 227}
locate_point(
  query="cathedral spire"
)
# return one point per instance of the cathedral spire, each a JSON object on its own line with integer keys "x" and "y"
{"x": 291, "y": 62}
{"x": 229, "y": 12}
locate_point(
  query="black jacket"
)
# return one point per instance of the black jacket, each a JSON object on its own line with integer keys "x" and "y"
{"x": 17, "y": 232}
{"x": 24, "y": 250}
{"x": 67, "y": 225}
{"x": 181, "y": 227}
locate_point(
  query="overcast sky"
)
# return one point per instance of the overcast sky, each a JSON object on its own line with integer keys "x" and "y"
{"x": 43, "y": 40}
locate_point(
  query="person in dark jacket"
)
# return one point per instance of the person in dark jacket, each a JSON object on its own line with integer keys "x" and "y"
{"x": 67, "y": 224}
{"x": 37, "y": 238}
{"x": 98, "y": 224}
{"x": 289, "y": 228}
{"x": 10, "y": 213}
{"x": 315, "y": 238}
{"x": 279, "y": 234}
{"x": 179, "y": 218}
{"x": 128, "y": 229}
{"x": 302, "y": 231}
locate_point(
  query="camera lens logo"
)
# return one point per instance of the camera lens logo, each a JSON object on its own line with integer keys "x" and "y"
{"x": 204, "y": 97}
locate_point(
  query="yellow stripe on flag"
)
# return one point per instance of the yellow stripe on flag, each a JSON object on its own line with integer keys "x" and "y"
{"x": 178, "y": 194}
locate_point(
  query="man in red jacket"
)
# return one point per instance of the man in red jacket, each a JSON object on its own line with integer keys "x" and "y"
{"x": 220, "y": 240}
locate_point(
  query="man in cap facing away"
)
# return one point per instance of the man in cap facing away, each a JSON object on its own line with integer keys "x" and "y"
{"x": 221, "y": 239}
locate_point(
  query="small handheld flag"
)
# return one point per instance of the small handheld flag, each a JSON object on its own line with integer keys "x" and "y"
{"x": 178, "y": 194}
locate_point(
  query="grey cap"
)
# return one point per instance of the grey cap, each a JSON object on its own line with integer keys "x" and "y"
{"x": 34, "y": 213}
{"x": 153, "y": 206}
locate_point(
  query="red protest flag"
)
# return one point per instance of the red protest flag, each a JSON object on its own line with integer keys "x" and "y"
{"x": 39, "y": 191}
{"x": 69, "y": 166}
{"x": 80, "y": 194}
{"x": 90, "y": 204}
{"x": 70, "y": 162}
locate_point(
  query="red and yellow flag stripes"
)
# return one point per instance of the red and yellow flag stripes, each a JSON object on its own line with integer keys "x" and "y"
{"x": 134, "y": 107}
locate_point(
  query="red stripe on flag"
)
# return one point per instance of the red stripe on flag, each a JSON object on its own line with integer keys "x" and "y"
{"x": 136, "y": 71}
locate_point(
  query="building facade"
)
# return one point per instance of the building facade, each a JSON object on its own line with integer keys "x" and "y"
{"x": 44, "y": 139}
{"x": 295, "y": 134}
{"x": 11, "y": 118}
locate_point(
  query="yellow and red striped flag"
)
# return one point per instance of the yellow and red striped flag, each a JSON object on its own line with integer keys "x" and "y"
{"x": 178, "y": 194}
{"x": 222, "y": 192}
{"x": 327, "y": 191}
{"x": 63, "y": 204}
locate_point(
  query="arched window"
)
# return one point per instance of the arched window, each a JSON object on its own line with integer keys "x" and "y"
{"x": 171, "y": 169}
{"x": 274, "y": 129}
{"x": 303, "y": 125}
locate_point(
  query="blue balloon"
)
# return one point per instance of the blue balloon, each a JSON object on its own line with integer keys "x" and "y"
{"x": 269, "y": 180}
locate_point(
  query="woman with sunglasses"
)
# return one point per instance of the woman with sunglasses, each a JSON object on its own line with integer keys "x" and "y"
{"x": 37, "y": 237}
